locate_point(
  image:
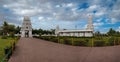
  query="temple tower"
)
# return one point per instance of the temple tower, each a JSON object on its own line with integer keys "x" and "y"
{"x": 90, "y": 23}
{"x": 26, "y": 28}
{"x": 57, "y": 30}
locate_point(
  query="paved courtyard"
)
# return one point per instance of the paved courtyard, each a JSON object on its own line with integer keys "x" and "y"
{"x": 36, "y": 50}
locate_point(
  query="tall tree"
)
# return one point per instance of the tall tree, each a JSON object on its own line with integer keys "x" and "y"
{"x": 111, "y": 32}
{"x": 17, "y": 30}
{"x": 97, "y": 33}
{"x": 5, "y": 28}
{"x": 0, "y": 30}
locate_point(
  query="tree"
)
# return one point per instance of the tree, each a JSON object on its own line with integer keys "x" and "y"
{"x": 97, "y": 33}
{"x": 8, "y": 29}
{"x": 111, "y": 32}
{"x": 17, "y": 30}
{"x": 11, "y": 28}
{"x": 1, "y": 30}
{"x": 41, "y": 31}
{"x": 5, "y": 28}
{"x": 52, "y": 31}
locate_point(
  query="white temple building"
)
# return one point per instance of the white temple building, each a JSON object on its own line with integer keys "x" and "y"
{"x": 88, "y": 32}
{"x": 26, "y": 28}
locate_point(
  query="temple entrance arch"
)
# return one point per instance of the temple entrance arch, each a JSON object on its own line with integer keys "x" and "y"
{"x": 26, "y": 29}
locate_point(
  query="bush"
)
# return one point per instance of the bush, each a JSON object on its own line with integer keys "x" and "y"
{"x": 4, "y": 37}
{"x": 99, "y": 43}
{"x": 45, "y": 38}
{"x": 36, "y": 37}
{"x": 12, "y": 34}
{"x": 117, "y": 42}
{"x": 67, "y": 41}
{"x": 80, "y": 43}
{"x": 8, "y": 52}
{"x": 111, "y": 41}
{"x": 54, "y": 40}
{"x": 61, "y": 41}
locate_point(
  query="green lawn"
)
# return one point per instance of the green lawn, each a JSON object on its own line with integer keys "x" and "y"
{"x": 4, "y": 43}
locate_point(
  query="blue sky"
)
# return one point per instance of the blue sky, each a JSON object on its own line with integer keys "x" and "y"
{"x": 47, "y": 14}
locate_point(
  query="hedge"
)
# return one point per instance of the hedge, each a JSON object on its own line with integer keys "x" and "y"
{"x": 99, "y": 43}
{"x": 79, "y": 41}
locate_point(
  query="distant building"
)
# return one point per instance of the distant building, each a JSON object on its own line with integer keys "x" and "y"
{"x": 88, "y": 32}
{"x": 26, "y": 28}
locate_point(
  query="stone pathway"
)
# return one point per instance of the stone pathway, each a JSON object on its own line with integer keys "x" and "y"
{"x": 36, "y": 50}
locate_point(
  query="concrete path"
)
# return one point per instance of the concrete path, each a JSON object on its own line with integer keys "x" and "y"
{"x": 36, "y": 50}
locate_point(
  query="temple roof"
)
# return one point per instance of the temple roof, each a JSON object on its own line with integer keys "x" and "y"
{"x": 75, "y": 30}
{"x": 26, "y": 18}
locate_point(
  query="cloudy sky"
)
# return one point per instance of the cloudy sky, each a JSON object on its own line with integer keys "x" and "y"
{"x": 68, "y": 14}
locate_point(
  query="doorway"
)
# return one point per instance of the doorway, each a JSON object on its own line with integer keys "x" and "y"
{"x": 26, "y": 33}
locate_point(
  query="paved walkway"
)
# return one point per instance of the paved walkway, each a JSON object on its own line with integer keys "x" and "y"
{"x": 36, "y": 50}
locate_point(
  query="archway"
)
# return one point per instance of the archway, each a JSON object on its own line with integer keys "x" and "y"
{"x": 26, "y": 33}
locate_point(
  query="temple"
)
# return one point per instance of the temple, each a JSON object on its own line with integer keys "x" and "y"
{"x": 88, "y": 32}
{"x": 26, "y": 28}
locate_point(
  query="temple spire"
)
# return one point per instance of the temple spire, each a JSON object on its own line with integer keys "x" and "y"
{"x": 57, "y": 30}
{"x": 26, "y": 29}
{"x": 90, "y": 23}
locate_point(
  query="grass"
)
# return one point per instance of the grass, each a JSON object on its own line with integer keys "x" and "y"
{"x": 5, "y": 43}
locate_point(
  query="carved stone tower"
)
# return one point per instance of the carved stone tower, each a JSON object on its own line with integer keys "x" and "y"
{"x": 56, "y": 30}
{"x": 90, "y": 23}
{"x": 26, "y": 28}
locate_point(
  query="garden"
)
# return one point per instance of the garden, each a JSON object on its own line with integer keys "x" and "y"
{"x": 84, "y": 41}
{"x": 7, "y": 45}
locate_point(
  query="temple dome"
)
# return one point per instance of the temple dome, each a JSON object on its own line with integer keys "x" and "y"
{"x": 26, "y": 18}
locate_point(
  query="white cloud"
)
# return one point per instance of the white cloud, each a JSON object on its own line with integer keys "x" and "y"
{"x": 98, "y": 24}
{"x": 41, "y": 18}
{"x": 118, "y": 29}
{"x": 99, "y": 14}
{"x": 57, "y": 6}
{"x": 113, "y": 20}
{"x": 69, "y": 5}
{"x": 99, "y": 20}
{"x": 93, "y": 7}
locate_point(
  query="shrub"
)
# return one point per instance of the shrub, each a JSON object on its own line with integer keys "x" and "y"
{"x": 45, "y": 38}
{"x": 80, "y": 43}
{"x": 61, "y": 41}
{"x": 4, "y": 37}
{"x": 8, "y": 51}
{"x": 36, "y": 37}
{"x": 41, "y": 37}
{"x": 99, "y": 43}
{"x": 12, "y": 34}
{"x": 54, "y": 40}
{"x": 67, "y": 41}
{"x": 117, "y": 41}
{"x": 111, "y": 41}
